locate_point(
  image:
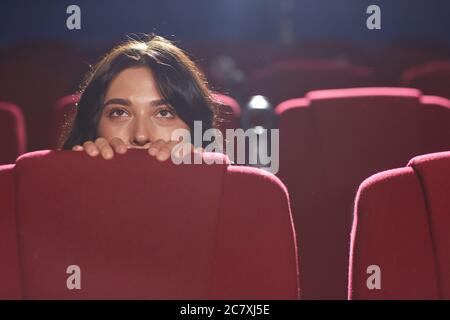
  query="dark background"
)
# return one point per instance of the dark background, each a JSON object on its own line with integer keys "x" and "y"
{"x": 209, "y": 21}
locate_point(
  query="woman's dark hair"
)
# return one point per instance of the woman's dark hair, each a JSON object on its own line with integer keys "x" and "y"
{"x": 178, "y": 79}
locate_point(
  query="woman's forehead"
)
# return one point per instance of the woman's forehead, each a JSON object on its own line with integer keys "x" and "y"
{"x": 135, "y": 83}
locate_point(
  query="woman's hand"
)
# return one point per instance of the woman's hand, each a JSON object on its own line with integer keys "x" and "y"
{"x": 159, "y": 149}
{"x": 103, "y": 147}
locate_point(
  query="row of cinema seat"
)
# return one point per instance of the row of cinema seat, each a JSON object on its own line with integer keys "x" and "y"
{"x": 54, "y": 72}
{"x": 388, "y": 62}
{"x": 212, "y": 244}
{"x": 433, "y": 78}
{"x": 288, "y": 79}
{"x": 330, "y": 141}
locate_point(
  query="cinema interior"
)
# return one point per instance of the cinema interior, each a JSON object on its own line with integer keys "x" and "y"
{"x": 333, "y": 184}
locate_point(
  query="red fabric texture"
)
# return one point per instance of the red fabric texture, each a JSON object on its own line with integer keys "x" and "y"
{"x": 139, "y": 228}
{"x": 9, "y": 260}
{"x": 402, "y": 218}
{"x": 433, "y": 171}
{"x": 432, "y": 78}
{"x": 12, "y": 133}
{"x": 330, "y": 141}
{"x": 435, "y": 123}
{"x": 391, "y": 230}
{"x": 245, "y": 256}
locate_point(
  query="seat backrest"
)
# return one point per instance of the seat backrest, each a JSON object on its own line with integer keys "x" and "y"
{"x": 12, "y": 133}
{"x": 331, "y": 141}
{"x": 229, "y": 112}
{"x": 432, "y": 78}
{"x": 9, "y": 261}
{"x": 138, "y": 228}
{"x": 392, "y": 60}
{"x": 435, "y": 123}
{"x": 33, "y": 76}
{"x": 290, "y": 79}
{"x": 433, "y": 171}
{"x": 63, "y": 113}
{"x": 401, "y": 226}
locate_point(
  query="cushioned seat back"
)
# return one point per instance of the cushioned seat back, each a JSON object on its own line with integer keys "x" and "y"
{"x": 391, "y": 231}
{"x": 256, "y": 251}
{"x": 111, "y": 220}
{"x": 9, "y": 264}
{"x": 138, "y": 228}
{"x": 435, "y": 123}
{"x": 63, "y": 112}
{"x": 229, "y": 112}
{"x": 433, "y": 171}
{"x": 12, "y": 133}
{"x": 289, "y": 79}
{"x": 401, "y": 224}
{"x": 432, "y": 78}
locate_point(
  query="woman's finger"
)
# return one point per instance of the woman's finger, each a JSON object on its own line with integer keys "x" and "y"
{"x": 77, "y": 147}
{"x": 105, "y": 149}
{"x": 118, "y": 145}
{"x": 166, "y": 150}
{"x": 154, "y": 147}
{"x": 90, "y": 148}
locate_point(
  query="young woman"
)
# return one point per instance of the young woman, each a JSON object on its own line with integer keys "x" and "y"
{"x": 136, "y": 96}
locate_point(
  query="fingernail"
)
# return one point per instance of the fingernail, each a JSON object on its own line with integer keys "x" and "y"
{"x": 107, "y": 155}
{"x": 161, "y": 157}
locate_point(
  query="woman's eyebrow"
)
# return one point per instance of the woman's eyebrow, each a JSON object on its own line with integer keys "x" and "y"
{"x": 123, "y": 102}
{"x": 158, "y": 102}
{"x": 126, "y": 102}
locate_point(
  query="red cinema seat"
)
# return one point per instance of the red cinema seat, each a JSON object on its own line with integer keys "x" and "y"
{"x": 12, "y": 133}
{"x": 432, "y": 78}
{"x": 392, "y": 60}
{"x": 435, "y": 122}
{"x": 229, "y": 112}
{"x": 9, "y": 260}
{"x": 330, "y": 142}
{"x": 402, "y": 218}
{"x": 139, "y": 228}
{"x": 229, "y": 115}
{"x": 294, "y": 78}
{"x": 64, "y": 110}
{"x": 33, "y": 76}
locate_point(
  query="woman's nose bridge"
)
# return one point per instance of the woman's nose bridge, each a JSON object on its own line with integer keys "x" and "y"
{"x": 142, "y": 128}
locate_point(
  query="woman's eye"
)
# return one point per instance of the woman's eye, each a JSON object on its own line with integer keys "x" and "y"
{"x": 117, "y": 113}
{"x": 165, "y": 113}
